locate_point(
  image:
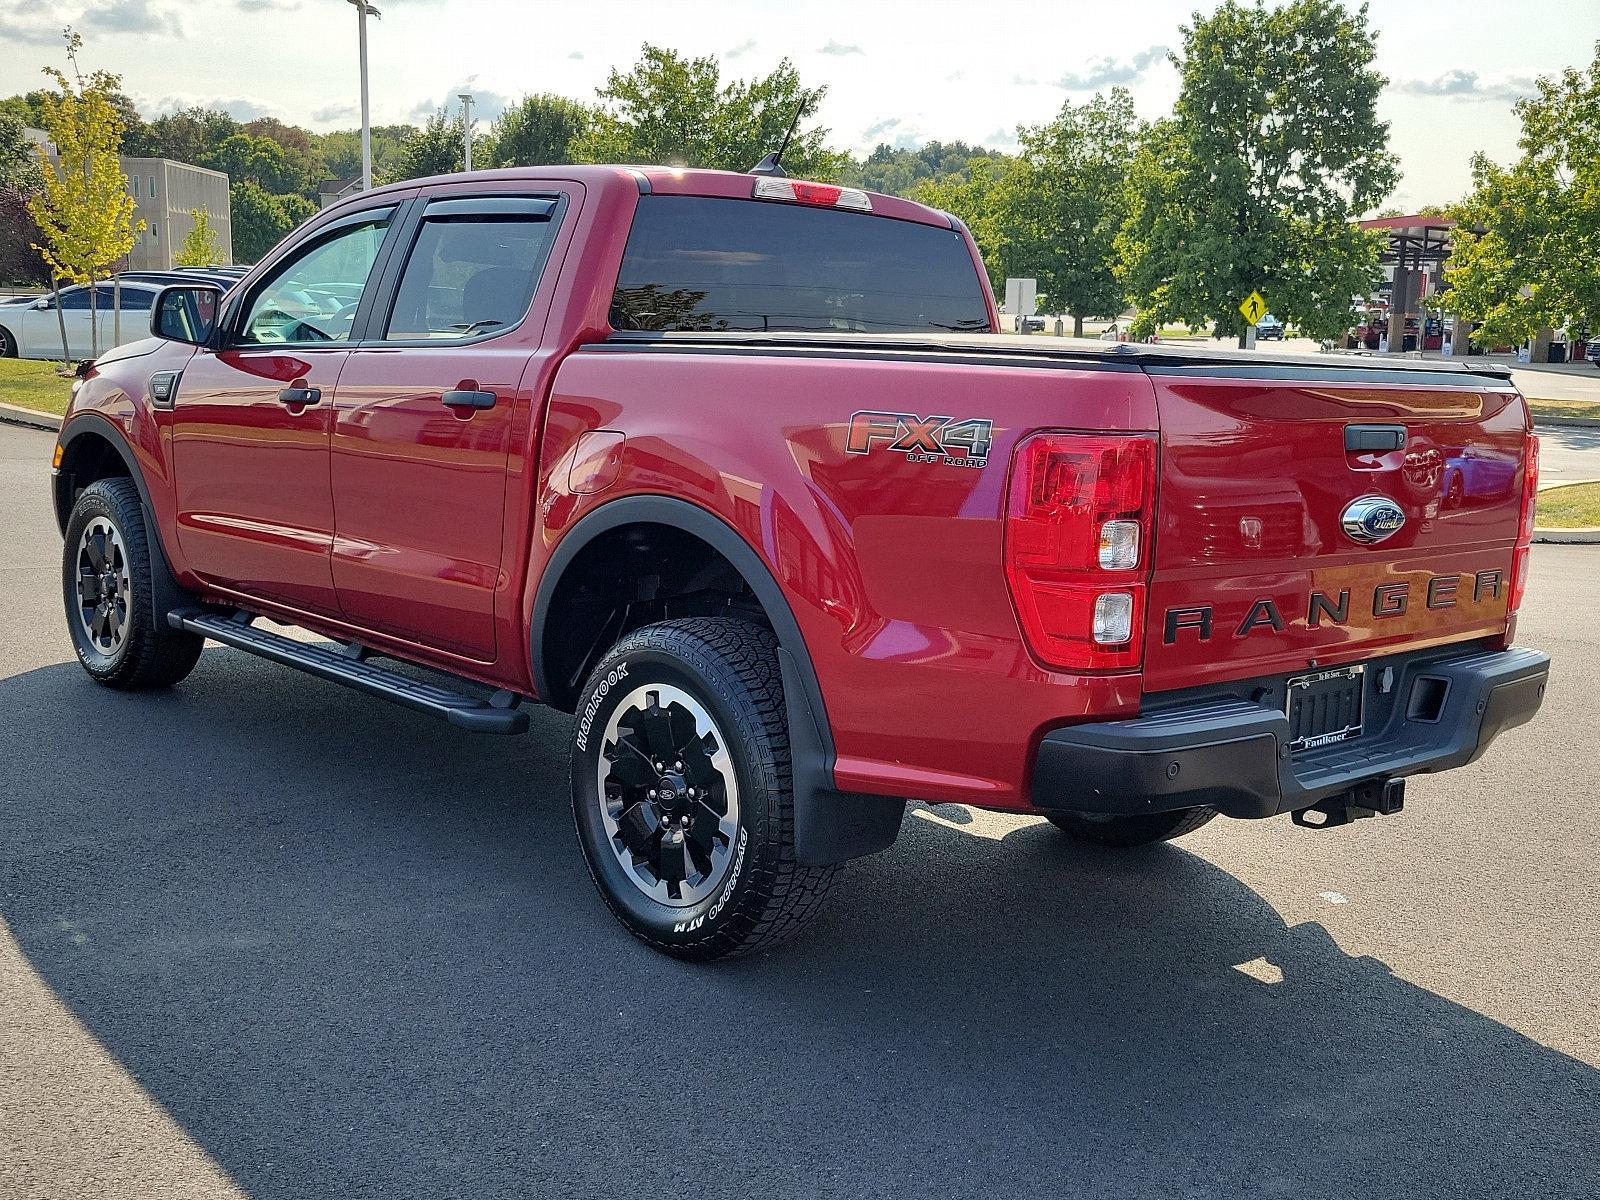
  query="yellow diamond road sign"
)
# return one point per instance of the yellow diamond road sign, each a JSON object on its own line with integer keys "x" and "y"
{"x": 1253, "y": 308}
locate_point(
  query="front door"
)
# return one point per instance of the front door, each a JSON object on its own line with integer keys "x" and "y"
{"x": 427, "y": 410}
{"x": 251, "y": 422}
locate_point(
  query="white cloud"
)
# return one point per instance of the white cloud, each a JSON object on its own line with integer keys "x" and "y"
{"x": 1468, "y": 85}
{"x": 741, "y": 49}
{"x": 1109, "y": 72}
{"x": 839, "y": 50}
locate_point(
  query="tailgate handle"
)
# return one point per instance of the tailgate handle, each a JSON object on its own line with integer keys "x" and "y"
{"x": 1374, "y": 437}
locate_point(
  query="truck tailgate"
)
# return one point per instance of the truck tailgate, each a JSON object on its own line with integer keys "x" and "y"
{"x": 1255, "y": 572}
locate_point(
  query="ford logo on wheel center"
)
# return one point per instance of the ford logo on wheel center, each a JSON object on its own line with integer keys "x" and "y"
{"x": 1370, "y": 519}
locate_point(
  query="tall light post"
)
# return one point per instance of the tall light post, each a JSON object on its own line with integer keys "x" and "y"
{"x": 364, "y": 10}
{"x": 466, "y": 130}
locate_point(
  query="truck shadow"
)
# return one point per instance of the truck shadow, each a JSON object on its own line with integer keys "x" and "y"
{"x": 354, "y": 952}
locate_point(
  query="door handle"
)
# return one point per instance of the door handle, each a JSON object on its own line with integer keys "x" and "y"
{"x": 300, "y": 395}
{"x": 466, "y": 399}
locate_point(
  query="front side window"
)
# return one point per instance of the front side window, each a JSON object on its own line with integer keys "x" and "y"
{"x": 472, "y": 269}
{"x": 313, "y": 297}
{"x": 705, "y": 264}
{"x": 75, "y": 298}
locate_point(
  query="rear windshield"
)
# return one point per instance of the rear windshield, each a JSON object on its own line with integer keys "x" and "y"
{"x": 704, "y": 263}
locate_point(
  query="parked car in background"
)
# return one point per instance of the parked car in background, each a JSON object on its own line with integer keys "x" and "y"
{"x": 1269, "y": 328}
{"x": 32, "y": 329}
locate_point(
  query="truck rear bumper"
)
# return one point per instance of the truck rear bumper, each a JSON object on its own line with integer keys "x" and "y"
{"x": 1231, "y": 753}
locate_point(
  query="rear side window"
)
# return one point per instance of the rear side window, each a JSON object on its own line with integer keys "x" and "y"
{"x": 473, "y": 268}
{"x": 705, "y": 264}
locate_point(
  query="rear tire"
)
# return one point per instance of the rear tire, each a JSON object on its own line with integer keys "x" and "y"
{"x": 682, "y": 790}
{"x": 1140, "y": 829}
{"x": 8, "y": 343}
{"x": 106, "y": 585}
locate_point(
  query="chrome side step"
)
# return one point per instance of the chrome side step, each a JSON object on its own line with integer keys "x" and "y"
{"x": 348, "y": 665}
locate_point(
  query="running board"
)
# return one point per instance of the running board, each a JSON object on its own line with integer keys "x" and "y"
{"x": 348, "y": 666}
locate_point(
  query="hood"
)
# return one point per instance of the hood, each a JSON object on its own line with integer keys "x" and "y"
{"x": 137, "y": 349}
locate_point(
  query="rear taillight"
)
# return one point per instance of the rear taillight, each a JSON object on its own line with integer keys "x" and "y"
{"x": 1530, "y": 500}
{"x": 1078, "y": 546}
{"x": 823, "y": 195}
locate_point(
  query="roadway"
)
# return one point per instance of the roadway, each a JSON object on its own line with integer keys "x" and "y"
{"x": 261, "y": 936}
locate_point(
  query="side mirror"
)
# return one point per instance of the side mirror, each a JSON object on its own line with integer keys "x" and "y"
{"x": 41, "y": 304}
{"x": 186, "y": 313}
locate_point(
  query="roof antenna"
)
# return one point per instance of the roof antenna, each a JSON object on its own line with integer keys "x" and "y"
{"x": 772, "y": 164}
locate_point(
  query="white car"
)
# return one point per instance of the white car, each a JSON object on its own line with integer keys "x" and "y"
{"x": 32, "y": 329}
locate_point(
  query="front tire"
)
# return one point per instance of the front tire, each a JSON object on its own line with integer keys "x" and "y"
{"x": 8, "y": 343}
{"x": 106, "y": 585}
{"x": 1138, "y": 829}
{"x": 682, "y": 790}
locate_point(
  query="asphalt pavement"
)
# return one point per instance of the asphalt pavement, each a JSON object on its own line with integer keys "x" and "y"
{"x": 261, "y": 936}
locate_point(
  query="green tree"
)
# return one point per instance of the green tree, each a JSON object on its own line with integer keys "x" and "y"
{"x": 435, "y": 149}
{"x": 261, "y": 161}
{"x": 261, "y": 220}
{"x": 190, "y": 135}
{"x": 1274, "y": 150}
{"x": 535, "y": 131}
{"x": 897, "y": 172}
{"x": 1069, "y": 201}
{"x": 199, "y": 247}
{"x": 83, "y": 208}
{"x": 673, "y": 110}
{"x": 982, "y": 198}
{"x": 1534, "y": 263}
{"x": 19, "y": 162}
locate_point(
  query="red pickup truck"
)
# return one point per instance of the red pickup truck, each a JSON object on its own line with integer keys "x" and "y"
{"x": 737, "y": 470}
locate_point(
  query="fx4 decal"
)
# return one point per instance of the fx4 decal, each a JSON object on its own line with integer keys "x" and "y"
{"x": 922, "y": 439}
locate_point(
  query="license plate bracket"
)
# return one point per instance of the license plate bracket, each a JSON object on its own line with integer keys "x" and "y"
{"x": 1324, "y": 707}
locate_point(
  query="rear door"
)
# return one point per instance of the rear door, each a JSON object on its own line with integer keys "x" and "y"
{"x": 1262, "y": 563}
{"x": 428, "y": 409}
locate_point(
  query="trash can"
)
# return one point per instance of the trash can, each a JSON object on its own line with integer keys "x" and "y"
{"x": 1558, "y": 352}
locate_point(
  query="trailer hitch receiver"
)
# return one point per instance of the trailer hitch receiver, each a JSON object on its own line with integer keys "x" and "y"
{"x": 1376, "y": 798}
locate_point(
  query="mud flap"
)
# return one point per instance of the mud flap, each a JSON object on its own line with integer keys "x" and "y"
{"x": 830, "y": 826}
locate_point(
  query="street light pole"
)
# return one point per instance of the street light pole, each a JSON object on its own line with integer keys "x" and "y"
{"x": 363, "y": 11}
{"x": 466, "y": 130}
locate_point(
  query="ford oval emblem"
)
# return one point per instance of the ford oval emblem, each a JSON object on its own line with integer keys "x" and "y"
{"x": 1369, "y": 519}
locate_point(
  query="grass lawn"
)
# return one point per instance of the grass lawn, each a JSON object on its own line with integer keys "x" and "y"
{"x": 29, "y": 383}
{"x": 1575, "y": 507}
{"x": 1564, "y": 408}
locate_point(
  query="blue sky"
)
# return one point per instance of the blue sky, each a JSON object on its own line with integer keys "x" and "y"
{"x": 901, "y": 72}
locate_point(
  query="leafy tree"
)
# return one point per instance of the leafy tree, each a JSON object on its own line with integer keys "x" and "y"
{"x": 1274, "y": 149}
{"x": 1533, "y": 264}
{"x": 982, "y": 199}
{"x": 19, "y": 163}
{"x": 191, "y": 135}
{"x": 535, "y": 131}
{"x": 258, "y": 160}
{"x": 261, "y": 220}
{"x": 673, "y": 110}
{"x": 19, "y": 261}
{"x": 340, "y": 151}
{"x": 199, "y": 247}
{"x": 1068, "y": 201}
{"x": 83, "y": 208}
{"x": 897, "y": 172}
{"x": 435, "y": 149}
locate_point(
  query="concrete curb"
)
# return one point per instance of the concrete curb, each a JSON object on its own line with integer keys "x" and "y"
{"x": 1567, "y": 422}
{"x": 1567, "y": 537}
{"x": 10, "y": 414}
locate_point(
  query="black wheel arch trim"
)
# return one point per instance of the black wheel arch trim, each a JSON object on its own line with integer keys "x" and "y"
{"x": 166, "y": 594}
{"x": 830, "y": 826}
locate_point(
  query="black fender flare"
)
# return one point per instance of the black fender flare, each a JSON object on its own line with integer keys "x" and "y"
{"x": 166, "y": 594}
{"x": 830, "y": 826}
